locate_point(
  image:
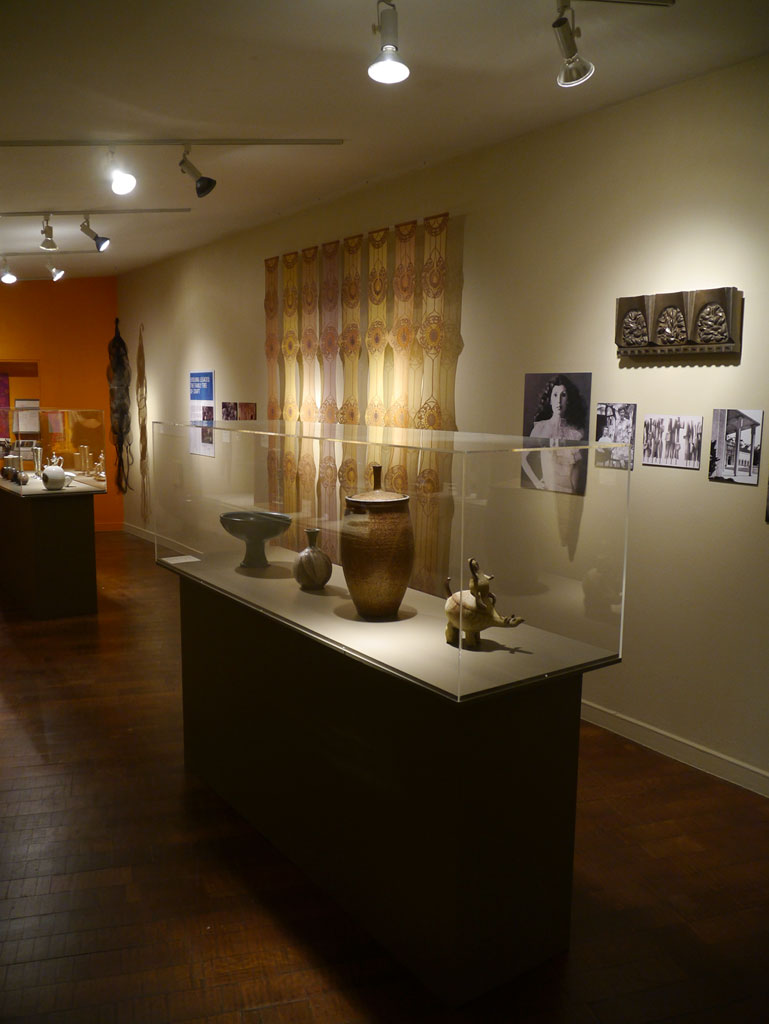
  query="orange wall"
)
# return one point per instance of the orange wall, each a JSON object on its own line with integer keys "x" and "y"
{"x": 66, "y": 327}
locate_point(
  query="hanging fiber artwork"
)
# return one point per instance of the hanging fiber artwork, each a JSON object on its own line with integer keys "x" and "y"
{"x": 380, "y": 344}
{"x": 119, "y": 377}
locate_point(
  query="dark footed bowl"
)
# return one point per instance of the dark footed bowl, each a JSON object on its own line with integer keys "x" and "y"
{"x": 254, "y": 527}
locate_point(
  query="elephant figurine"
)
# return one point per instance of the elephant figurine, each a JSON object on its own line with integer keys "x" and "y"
{"x": 477, "y": 608}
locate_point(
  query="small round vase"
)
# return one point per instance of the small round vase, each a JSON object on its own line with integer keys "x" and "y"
{"x": 377, "y": 548}
{"x": 312, "y": 568}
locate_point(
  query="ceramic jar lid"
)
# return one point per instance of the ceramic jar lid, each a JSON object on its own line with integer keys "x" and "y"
{"x": 376, "y": 497}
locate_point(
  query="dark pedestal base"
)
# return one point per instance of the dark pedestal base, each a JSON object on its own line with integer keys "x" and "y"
{"x": 446, "y": 828}
{"x": 48, "y": 560}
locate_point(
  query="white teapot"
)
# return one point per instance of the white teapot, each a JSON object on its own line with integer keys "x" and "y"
{"x": 55, "y": 478}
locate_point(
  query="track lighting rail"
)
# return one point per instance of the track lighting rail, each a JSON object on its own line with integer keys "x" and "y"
{"x": 91, "y": 212}
{"x": 37, "y": 255}
{"x": 107, "y": 143}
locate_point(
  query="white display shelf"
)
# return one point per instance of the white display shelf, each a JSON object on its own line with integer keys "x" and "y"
{"x": 412, "y": 646}
{"x": 36, "y": 489}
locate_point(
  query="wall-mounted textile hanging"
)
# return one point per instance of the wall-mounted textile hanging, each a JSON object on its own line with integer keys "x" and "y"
{"x": 5, "y": 401}
{"x": 119, "y": 377}
{"x": 707, "y": 321}
{"x": 378, "y": 343}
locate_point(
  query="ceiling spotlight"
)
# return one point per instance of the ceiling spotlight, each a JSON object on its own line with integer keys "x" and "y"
{"x": 575, "y": 69}
{"x": 48, "y": 242}
{"x": 56, "y": 272}
{"x": 122, "y": 181}
{"x": 388, "y": 68}
{"x": 6, "y": 274}
{"x": 203, "y": 185}
{"x": 99, "y": 241}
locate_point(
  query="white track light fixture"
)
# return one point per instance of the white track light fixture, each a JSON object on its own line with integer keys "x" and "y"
{"x": 123, "y": 183}
{"x": 388, "y": 68}
{"x": 56, "y": 272}
{"x": 100, "y": 241}
{"x": 203, "y": 185}
{"x": 48, "y": 243}
{"x": 575, "y": 69}
{"x": 7, "y": 276}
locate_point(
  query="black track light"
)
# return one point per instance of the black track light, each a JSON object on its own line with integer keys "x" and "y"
{"x": 203, "y": 185}
{"x": 100, "y": 241}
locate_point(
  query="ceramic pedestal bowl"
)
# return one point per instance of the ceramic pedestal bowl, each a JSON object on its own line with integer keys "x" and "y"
{"x": 254, "y": 527}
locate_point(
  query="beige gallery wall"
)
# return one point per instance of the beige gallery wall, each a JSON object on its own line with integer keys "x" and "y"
{"x": 667, "y": 192}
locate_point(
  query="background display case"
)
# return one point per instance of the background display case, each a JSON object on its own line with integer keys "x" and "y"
{"x": 32, "y": 438}
{"x": 558, "y": 559}
{"x": 49, "y": 563}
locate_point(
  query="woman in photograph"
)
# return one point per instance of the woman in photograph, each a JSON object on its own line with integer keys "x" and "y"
{"x": 609, "y": 424}
{"x": 560, "y": 421}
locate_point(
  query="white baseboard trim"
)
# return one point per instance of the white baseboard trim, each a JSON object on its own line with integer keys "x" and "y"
{"x": 139, "y": 531}
{"x": 710, "y": 761}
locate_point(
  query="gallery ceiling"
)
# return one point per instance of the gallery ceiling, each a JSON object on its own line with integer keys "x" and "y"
{"x": 482, "y": 71}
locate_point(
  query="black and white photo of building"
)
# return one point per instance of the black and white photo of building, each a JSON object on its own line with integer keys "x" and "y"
{"x": 735, "y": 446}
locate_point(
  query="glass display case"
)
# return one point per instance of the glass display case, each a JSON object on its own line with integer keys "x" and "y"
{"x": 512, "y": 556}
{"x": 45, "y": 452}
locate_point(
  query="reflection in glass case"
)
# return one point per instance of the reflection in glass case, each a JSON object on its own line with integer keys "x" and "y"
{"x": 502, "y": 584}
{"x": 46, "y": 451}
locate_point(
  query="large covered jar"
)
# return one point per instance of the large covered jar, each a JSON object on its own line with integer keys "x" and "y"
{"x": 377, "y": 549}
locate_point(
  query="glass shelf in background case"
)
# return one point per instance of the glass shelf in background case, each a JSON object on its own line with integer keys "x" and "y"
{"x": 32, "y": 438}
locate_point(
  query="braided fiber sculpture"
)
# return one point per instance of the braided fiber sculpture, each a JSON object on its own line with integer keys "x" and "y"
{"x": 119, "y": 377}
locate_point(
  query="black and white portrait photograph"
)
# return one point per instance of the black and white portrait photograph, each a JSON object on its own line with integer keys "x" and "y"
{"x": 555, "y": 415}
{"x": 672, "y": 441}
{"x": 615, "y": 422}
{"x": 735, "y": 445}
{"x": 229, "y": 410}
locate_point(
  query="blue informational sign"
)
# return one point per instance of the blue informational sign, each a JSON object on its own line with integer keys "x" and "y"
{"x": 202, "y": 386}
{"x": 202, "y": 440}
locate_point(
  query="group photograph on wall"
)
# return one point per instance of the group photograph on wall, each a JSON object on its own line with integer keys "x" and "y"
{"x": 615, "y": 422}
{"x": 672, "y": 441}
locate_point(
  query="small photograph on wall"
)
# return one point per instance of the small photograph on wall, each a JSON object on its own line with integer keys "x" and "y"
{"x": 207, "y": 433}
{"x": 246, "y": 410}
{"x": 672, "y": 441}
{"x": 615, "y": 422}
{"x": 556, "y": 415}
{"x": 229, "y": 410}
{"x": 26, "y": 418}
{"x": 735, "y": 446}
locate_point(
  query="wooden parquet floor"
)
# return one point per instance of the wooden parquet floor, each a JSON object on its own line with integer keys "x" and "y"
{"x": 131, "y": 893}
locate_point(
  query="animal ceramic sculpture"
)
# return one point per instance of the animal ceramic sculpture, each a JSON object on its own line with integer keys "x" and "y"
{"x": 474, "y": 609}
